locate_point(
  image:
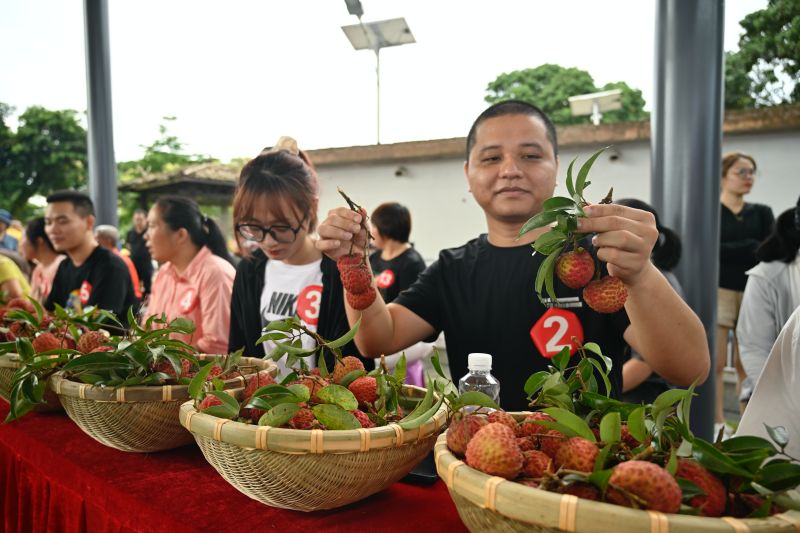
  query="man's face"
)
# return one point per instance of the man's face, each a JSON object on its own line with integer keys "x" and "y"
{"x": 512, "y": 168}
{"x": 66, "y": 228}
{"x": 139, "y": 221}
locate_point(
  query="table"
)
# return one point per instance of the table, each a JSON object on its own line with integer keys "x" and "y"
{"x": 54, "y": 477}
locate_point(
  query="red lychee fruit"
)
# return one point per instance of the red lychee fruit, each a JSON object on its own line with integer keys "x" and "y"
{"x": 363, "y": 419}
{"x": 365, "y": 389}
{"x": 528, "y": 428}
{"x": 577, "y": 453}
{"x": 356, "y": 280}
{"x": 253, "y": 382}
{"x": 583, "y": 490}
{"x": 348, "y": 261}
{"x": 550, "y": 441}
{"x": 494, "y": 451}
{"x": 605, "y": 295}
{"x": 304, "y": 419}
{"x": 165, "y": 367}
{"x": 629, "y": 439}
{"x": 536, "y": 463}
{"x": 461, "y": 430}
{"x": 654, "y": 487}
{"x": 359, "y": 302}
{"x": 209, "y": 401}
{"x": 314, "y": 385}
{"x": 20, "y": 329}
{"x": 91, "y": 340}
{"x": 526, "y": 443}
{"x": 502, "y": 417}
{"x": 46, "y": 341}
{"x": 348, "y": 364}
{"x": 713, "y": 502}
{"x": 575, "y": 269}
{"x": 21, "y": 303}
{"x": 103, "y": 349}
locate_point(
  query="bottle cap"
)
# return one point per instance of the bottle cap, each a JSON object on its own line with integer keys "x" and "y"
{"x": 479, "y": 361}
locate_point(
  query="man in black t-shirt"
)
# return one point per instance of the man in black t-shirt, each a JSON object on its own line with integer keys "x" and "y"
{"x": 91, "y": 275}
{"x": 482, "y": 294}
{"x": 135, "y": 243}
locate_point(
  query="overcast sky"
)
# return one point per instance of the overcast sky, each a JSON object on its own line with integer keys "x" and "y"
{"x": 238, "y": 74}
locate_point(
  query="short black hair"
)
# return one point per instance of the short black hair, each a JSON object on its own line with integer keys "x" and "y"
{"x": 393, "y": 221}
{"x": 512, "y": 107}
{"x": 80, "y": 201}
{"x": 34, "y": 230}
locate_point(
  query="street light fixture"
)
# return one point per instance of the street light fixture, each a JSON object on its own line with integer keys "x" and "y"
{"x": 375, "y": 36}
{"x": 594, "y": 104}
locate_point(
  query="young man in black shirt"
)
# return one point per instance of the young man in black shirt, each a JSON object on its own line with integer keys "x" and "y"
{"x": 91, "y": 275}
{"x": 481, "y": 294}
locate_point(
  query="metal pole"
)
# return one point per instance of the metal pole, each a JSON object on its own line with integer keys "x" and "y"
{"x": 378, "y": 99}
{"x": 102, "y": 168}
{"x": 686, "y": 145}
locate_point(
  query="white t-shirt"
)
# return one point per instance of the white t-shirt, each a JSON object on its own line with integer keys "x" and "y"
{"x": 291, "y": 290}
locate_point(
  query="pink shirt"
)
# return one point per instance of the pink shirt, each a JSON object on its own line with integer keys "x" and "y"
{"x": 201, "y": 294}
{"x": 42, "y": 278}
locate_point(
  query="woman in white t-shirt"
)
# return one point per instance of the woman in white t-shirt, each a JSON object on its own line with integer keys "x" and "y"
{"x": 276, "y": 206}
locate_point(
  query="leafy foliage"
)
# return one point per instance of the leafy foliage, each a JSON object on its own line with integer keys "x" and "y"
{"x": 549, "y": 86}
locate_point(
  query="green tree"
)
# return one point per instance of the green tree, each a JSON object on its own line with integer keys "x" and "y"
{"x": 768, "y": 59}
{"x": 47, "y": 152}
{"x": 549, "y": 87}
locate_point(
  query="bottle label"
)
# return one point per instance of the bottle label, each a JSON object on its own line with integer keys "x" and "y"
{"x": 556, "y": 329}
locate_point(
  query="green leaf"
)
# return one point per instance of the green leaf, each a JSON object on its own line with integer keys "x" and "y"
{"x": 599, "y": 478}
{"x": 611, "y": 428}
{"x": 539, "y": 220}
{"x": 778, "y": 434}
{"x": 580, "y": 184}
{"x": 182, "y": 325}
{"x": 535, "y": 382}
{"x": 338, "y": 395}
{"x": 347, "y": 337}
{"x": 569, "y": 181}
{"x": 713, "y": 459}
{"x": 422, "y": 418}
{"x": 198, "y": 382}
{"x": 557, "y": 202}
{"x": 636, "y": 426}
{"x": 602, "y": 457}
{"x": 545, "y": 275}
{"x": 334, "y": 417}
{"x": 744, "y": 443}
{"x": 286, "y": 324}
{"x": 400, "y": 368}
{"x": 689, "y": 489}
{"x": 779, "y": 476}
{"x": 437, "y": 365}
{"x": 478, "y": 398}
{"x": 273, "y": 336}
{"x": 667, "y": 399}
{"x": 351, "y": 377}
{"x": 423, "y": 405}
{"x": 561, "y": 359}
{"x": 301, "y": 391}
{"x": 279, "y": 415}
{"x": 220, "y": 411}
{"x": 549, "y": 242}
{"x": 572, "y": 421}
{"x": 606, "y": 383}
{"x": 672, "y": 462}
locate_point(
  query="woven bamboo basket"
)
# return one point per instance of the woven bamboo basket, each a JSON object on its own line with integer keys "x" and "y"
{"x": 490, "y": 503}
{"x": 136, "y": 419}
{"x": 9, "y": 364}
{"x": 310, "y": 470}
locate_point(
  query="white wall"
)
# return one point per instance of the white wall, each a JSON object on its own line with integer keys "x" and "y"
{"x": 444, "y": 213}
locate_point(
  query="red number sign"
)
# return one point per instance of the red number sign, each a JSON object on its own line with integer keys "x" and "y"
{"x": 308, "y": 304}
{"x": 385, "y": 279}
{"x": 554, "y": 330}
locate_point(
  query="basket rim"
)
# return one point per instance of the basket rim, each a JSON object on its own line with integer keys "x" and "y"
{"x": 138, "y": 393}
{"x": 495, "y": 493}
{"x": 302, "y": 441}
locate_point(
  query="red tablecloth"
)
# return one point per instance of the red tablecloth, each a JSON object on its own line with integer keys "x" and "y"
{"x": 53, "y": 477}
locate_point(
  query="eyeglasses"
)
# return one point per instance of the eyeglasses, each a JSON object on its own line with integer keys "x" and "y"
{"x": 281, "y": 233}
{"x": 745, "y": 173}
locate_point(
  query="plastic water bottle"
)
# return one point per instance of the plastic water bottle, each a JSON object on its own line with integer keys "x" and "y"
{"x": 479, "y": 377}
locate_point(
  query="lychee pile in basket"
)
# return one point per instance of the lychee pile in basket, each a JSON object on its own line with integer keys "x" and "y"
{"x": 566, "y": 258}
{"x": 346, "y": 397}
{"x": 589, "y": 445}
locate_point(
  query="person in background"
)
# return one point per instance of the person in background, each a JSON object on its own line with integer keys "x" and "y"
{"x": 275, "y": 206}
{"x": 135, "y": 243}
{"x": 776, "y": 397}
{"x": 108, "y": 237}
{"x": 12, "y": 281}
{"x": 91, "y": 275}
{"x": 396, "y": 265}
{"x": 482, "y": 294}
{"x": 742, "y": 228}
{"x": 7, "y": 241}
{"x": 639, "y": 383}
{"x": 196, "y": 276}
{"x": 771, "y": 295}
{"x": 37, "y": 248}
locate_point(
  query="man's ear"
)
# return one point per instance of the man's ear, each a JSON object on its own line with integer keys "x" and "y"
{"x": 90, "y": 220}
{"x": 466, "y": 175}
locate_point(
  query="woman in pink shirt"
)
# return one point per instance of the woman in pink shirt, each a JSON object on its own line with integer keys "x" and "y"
{"x": 196, "y": 276}
{"x": 36, "y": 247}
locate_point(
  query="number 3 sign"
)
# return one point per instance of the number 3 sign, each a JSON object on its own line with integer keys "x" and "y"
{"x": 554, "y": 330}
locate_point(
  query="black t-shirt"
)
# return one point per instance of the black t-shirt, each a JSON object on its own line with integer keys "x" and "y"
{"x": 102, "y": 280}
{"x": 740, "y": 235}
{"x": 483, "y": 298}
{"x": 396, "y": 275}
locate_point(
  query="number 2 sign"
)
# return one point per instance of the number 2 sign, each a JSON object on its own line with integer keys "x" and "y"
{"x": 554, "y": 330}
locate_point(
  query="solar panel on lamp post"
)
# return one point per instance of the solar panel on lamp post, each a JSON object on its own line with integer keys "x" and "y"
{"x": 375, "y": 36}
{"x": 594, "y": 104}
